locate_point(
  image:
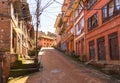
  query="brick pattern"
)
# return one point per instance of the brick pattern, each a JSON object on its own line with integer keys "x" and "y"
{"x": 102, "y": 30}
{"x": 4, "y": 9}
{"x": 4, "y": 33}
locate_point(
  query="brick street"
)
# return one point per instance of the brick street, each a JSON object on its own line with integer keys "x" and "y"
{"x": 57, "y": 68}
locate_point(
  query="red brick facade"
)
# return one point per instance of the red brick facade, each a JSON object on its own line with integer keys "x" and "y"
{"x": 45, "y": 41}
{"x": 5, "y": 31}
{"x": 97, "y": 37}
{"x": 102, "y": 37}
{"x": 14, "y": 34}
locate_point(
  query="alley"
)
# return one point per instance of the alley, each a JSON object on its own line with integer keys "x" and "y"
{"x": 57, "y": 68}
{"x": 60, "y": 69}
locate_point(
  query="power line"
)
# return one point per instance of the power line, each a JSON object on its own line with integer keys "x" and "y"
{"x": 58, "y": 2}
{"x": 83, "y": 7}
{"x": 47, "y": 5}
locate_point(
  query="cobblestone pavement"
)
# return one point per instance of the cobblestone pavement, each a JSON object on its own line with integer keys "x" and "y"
{"x": 57, "y": 68}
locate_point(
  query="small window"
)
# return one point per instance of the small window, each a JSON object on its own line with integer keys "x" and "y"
{"x": 93, "y": 21}
{"x": 76, "y": 29}
{"x": 81, "y": 7}
{"x": 76, "y": 13}
{"x": 117, "y": 3}
{"x": 90, "y": 3}
{"x": 111, "y": 9}
{"x": 80, "y": 26}
{"x": 105, "y": 12}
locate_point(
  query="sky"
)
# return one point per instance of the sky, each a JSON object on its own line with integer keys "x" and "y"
{"x": 48, "y": 16}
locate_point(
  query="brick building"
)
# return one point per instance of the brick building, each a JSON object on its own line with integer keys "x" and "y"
{"x": 45, "y": 41}
{"x": 66, "y": 30}
{"x": 57, "y": 25}
{"x": 16, "y": 33}
{"x": 102, "y": 28}
{"x": 72, "y": 27}
{"x": 79, "y": 25}
{"x": 92, "y": 29}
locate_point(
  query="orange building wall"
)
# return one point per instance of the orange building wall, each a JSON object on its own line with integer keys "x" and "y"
{"x": 46, "y": 42}
{"x": 102, "y": 30}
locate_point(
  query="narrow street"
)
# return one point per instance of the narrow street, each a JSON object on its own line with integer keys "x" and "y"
{"x": 60, "y": 69}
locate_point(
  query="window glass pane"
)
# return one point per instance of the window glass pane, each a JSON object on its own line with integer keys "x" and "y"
{"x": 77, "y": 29}
{"x": 72, "y": 30}
{"x": 76, "y": 13}
{"x": 104, "y": 12}
{"x": 81, "y": 7}
{"x": 90, "y": 3}
{"x": 79, "y": 25}
{"x": 82, "y": 23}
{"x": 117, "y": 4}
{"x": 111, "y": 8}
{"x": 95, "y": 20}
{"x": 89, "y": 23}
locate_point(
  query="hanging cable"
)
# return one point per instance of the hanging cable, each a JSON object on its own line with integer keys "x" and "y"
{"x": 58, "y": 2}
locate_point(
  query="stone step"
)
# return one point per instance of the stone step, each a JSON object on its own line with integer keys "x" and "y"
{"x": 22, "y": 72}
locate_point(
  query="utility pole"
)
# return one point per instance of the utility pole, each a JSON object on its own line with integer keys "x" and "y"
{"x": 39, "y": 11}
{"x": 37, "y": 26}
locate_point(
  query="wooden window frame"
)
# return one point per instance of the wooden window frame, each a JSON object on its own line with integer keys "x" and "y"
{"x": 89, "y": 5}
{"x": 92, "y": 22}
{"x": 115, "y": 11}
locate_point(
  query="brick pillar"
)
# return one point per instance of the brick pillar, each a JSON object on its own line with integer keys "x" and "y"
{"x": 87, "y": 51}
{"x": 107, "y": 49}
{"x": 119, "y": 41}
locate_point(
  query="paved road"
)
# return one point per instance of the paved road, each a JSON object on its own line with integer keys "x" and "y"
{"x": 57, "y": 68}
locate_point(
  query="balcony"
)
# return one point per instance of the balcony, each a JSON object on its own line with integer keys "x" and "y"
{"x": 65, "y": 5}
{"x": 58, "y": 22}
{"x": 75, "y": 4}
{"x": 62, "y": 30}
{"x": 26, "y": 12}
{"x": 66, "y": 37}
{"x": 64, "y": 8}
{"x": 68, "y": 12}
{"x": 69, "y": 9}
{"x": 64, "y": 19}
{"x": 66, "y": 2}
{"x": 69, "y": 26}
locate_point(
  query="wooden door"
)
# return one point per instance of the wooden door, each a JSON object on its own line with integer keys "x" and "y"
{"x": 101, "y": 49}
{"x": 113, "y": 46}
{"x": 91, "y": 50}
